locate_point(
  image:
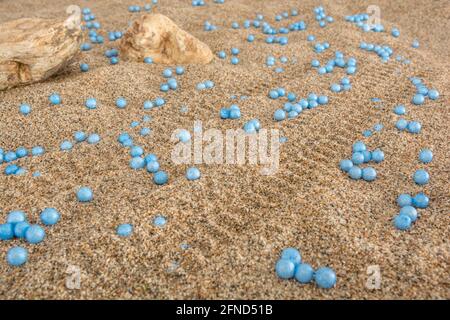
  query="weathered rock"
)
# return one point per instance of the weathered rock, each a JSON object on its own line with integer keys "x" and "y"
{"x": 155, "y": 35}
{"x": 34, "y": 49}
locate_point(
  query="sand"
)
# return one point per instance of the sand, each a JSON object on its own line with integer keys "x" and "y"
{"x": 234, "y": 220}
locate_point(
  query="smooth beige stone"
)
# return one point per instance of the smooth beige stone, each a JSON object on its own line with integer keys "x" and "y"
{"x": 34, "y": 49}
{"x": 155, "y": 35}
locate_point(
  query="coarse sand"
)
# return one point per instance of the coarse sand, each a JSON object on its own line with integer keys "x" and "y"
{"x": 225, "y": 231}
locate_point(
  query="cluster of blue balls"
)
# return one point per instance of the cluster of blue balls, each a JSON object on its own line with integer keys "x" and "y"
{"x": 410, "y": 126}
{"x": 114, "y": 35}
{"x": 17, "y": 226}
{"x": 320, "y": 47}
{"x": 113, "y": 55}
{"x": 140, "y": 161}
{"x": 409, "y": 205}
{"x": 285, "y": 15}
{"x": 322, "y": 17}
{"x": 383, "y": 51}
{"x": 207, "y": 84}
{"x": 198, "y": 3}
{"x": 207, "y": 26}
{"x": 252, "y": 126}
{"x": 345, "y": 85}
{"x": 350, "y": 64}
{"x": 360, "y": 21}
{"x": 290, "y": 266}
{"x": 360, "y": 156}
{"x": 422, "y": 92}
{"x": 233, "y": 112}
{"x": 12, "y": 156}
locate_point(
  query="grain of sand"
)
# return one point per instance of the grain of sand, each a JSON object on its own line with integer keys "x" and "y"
{"x": 234, "y": 220}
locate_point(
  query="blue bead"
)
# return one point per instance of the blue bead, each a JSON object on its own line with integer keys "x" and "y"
{"x": 25, "y": 109}
{"x": 291, "y": 254}
{"x": 93, "y": 138}
{"x": 114, "y": 60}
{"x": 418, "y": 99}
{"x": 137, "y": 163}
{"x": 160, "y": 178}
{"x": 121, "y": 102}
{"x": 377, "y": 155}
{"x": 179, "y": 70}
{"x": 273, "y": 94}
{"x": 6, "y": 231}
{"x": 192, "y": 173}
{"x": 66, "y": 145}
{"x": 322, "y": 99}
{"x": 359, "y": 146}
{"x": 426, "y": 155}
{"x": 150, "y": 157}
{"x": 54, "y": 99}
{"x": 136, "y": 151}
{"x": 401, "y": 124}
{"x": 91, "y": 103}
{"x": 17, "y": 256}
{"x": 404, "y": 200}
{"x": 433, "y": 94}
{"x": 410, "y": 211}
{"x": 367, "y": 156}
{"x": 357, "y": 158}
{"x": 34, "y": 234}
{"x": 345, "y": 165}
{"x": 279, "y": 115}
{"x": 325, "y": 278}
{"x": 234, "y": 60}
{"x": 152, "y": 166}
{"x": 420, "y": 200}
{"x": 369, "y": 174}
{"x": 222, "y": 54}
{"x": 402, "y": 222}
{"x": 421, "y": 177}
{"x": 124, "y": 230}
{"x": 145, "y": 131}
{"x": 16, "y": 216}
{"x": 85, "y": 194}
{"x": 20, "y": 228}
{"x": 304, "y": 273}
{"x": 148, "y": 60}
{"x": 414, "y": 127}
{"x": 159, "y": 221}
{"x": 148, "y": 104}
{"x": 355, "y": 172}
{"x": 79, "y": 136}
{"x": 49, "y": 216}
{"x": 235, "y": 51}
{"x": 400, "y": 110}
{"x": 285, "y": 269}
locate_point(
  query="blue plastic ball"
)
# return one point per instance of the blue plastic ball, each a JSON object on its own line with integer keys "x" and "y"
{"x": 17, "y": 256}
{"x": 93, "y": 138}
{"x": 25, "y": 109}
{"x": 152, "y": 166}
{"x": 137, "y": 163}
{"x": 401, "y": 124}
{"x": 85, "y": 194}
{"x": 346, "y": 165}
{"x": 91, "y": 103}
{"x": 369, "y": 174}
{"x": 414, "y": 127}
{"x": 425, "y": 155}
{"x": 16, "y": 216}
{"x": 377, "y": 155}
{"x": 291, "y": 254}
{"x": 160, "y": 177}
{"x": 402, "y": 222}
{"x": 285, "y": 269}
{"x": 34, "y": 234}
{"x": 355, "y": 173}
{"x": 357, "y": 158}
{"x": 6, "y": 231}
{"x": 304, "y": 273}
{"x": 279, "y": 115}
{"x": 400, "y": 110}
{"x": 192, "y": 173}
{"x": 420, "y": 200}
{"x": 404, "y": 200}
{"x": 418, "y": 99}
{"x": 421, "y": 177}
{"x": 121, "y": 102}
{"x": 54, "y": 99}
{"x": 325, "y": 278}
{"x": 410, "y": 211}
{"x": 433, "y": 94}
{"x": 49, "y": 216}
{"x": 124, "y": 230}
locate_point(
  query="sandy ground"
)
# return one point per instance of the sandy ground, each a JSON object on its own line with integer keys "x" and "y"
{"x": 234, "y": 220}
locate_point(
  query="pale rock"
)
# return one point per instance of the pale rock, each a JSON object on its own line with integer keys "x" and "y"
{"x": 155, "y": 35}
{"x": 33, "y": 49}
